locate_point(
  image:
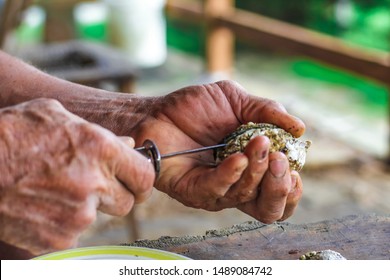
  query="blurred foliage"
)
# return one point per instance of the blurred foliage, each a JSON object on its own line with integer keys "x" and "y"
{"x": 365, "y": 22}
{"x": 362, "y": 22}
{"x": 186, "y": 36}
{"x": 373, "y": 94}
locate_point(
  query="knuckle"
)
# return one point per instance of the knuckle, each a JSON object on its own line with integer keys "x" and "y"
{"x": 274, "y": 105}
{"x": 99, "y": 139}
{"x": 52, "y": 103}
{"x": 46, "y": 102}
{"x": 230, "y": 84}
{"x": 88, "y": 130}
{"x": 82, "y": 219}
{"x": 282, "y": 191}
{"x": 126, "y": 207}
{"x": 218, "y": 193}
{"x": 86, "y": 218}
{"x": 247, "y": 195}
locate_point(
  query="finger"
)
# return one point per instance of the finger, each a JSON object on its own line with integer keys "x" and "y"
{"x": 128, "y": 141}
{"x": 215, "y": 184}
{"x": 275, "y": 113}
{"x": 253, "y": 108}
{"x": 131, "y": 182}
{"x": 124, "y": 169}
{"x": 275, "y": 188}
{"x": 294, "y": 196}
{"x": 246, "y": 188}
{"x": 116, "y": 200}
{"x": 136, "y": 173}
{"x": 268, "y": 111}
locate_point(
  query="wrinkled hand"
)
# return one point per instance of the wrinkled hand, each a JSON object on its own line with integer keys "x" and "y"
{"x": 56, "y": 170}
{"x": 258, "y": 183}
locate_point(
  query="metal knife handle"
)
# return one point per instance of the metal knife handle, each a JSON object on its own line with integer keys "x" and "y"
{"x": 151, "y": 152}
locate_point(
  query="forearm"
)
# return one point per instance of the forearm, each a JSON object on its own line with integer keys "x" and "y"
{"x": 20, "y": 82}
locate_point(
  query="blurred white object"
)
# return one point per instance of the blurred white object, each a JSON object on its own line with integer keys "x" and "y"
{"x": 344, "y": 13}
{"x": 90, "y": 19}
{"x": 138, "y": 28}
{"x": 30, "y": 31}
{"x": 90, "y": 13}
{"x": 34, "y": 16}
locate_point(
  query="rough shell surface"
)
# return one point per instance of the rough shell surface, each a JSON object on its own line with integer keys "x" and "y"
{"x": 322, "y": 255}
{"x": 281, "y": 141}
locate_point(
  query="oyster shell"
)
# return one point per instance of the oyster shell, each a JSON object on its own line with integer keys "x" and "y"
{"x": 281, "y": 141}
{"x": 322, "y": 255}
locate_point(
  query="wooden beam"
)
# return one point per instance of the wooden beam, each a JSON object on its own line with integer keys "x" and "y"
{"x": 189, "y": 11}
{"x": 261, "y": 31}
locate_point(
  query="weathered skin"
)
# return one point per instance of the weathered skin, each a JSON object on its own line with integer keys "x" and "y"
{"x": 57, "y": 170}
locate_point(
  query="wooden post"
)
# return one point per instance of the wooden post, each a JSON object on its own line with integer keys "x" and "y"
{"x": 219, "y": 39}
{"x": 59, "y": 19}
{"x": 127, "y": 85}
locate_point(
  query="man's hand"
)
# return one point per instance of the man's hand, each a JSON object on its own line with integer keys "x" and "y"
{"x": 56, "y": 170}
{"x": 258, "y": 183}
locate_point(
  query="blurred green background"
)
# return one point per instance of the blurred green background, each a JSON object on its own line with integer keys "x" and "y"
{"x": 365, "y": 23}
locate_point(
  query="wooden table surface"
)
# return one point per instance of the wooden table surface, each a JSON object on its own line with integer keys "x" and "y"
{"x": 355, "y": 237}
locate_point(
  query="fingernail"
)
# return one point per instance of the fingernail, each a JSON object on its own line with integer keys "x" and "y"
{"x": 261, "y": 155}
{"x": 278, "y": 168}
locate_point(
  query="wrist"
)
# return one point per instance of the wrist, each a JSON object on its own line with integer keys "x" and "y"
{"x": 121, "y": 113}
{"x": 117, "y": 112}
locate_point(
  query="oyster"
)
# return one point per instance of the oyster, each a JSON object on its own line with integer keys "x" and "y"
{"x": 281, "y": 141}
{"x": 322, "y": 255}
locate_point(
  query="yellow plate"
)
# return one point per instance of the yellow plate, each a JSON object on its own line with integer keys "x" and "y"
{"x": 112, "y": 253}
